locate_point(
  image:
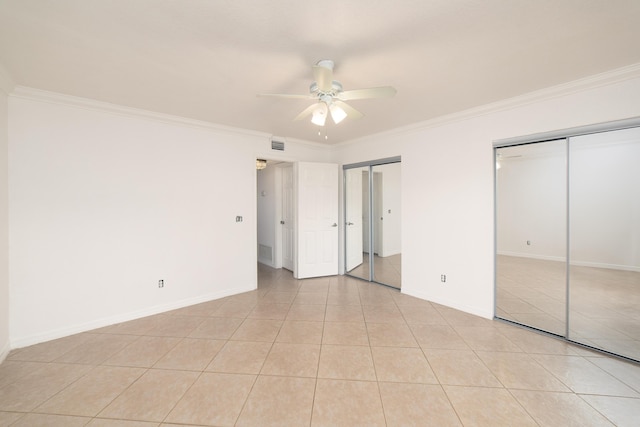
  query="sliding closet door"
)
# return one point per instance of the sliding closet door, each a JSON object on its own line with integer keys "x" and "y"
{"x": 604, "y": 188}
{"x": 356, "y": 234}
{"x": 372, "y": 212}
{"x": 531, "y": 249}
{"x": 386, "y": 224}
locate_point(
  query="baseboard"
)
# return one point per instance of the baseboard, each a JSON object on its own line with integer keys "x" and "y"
{"x": 533, "y": 256}
{"x": 4, "y": 352}
{"x": 452, "y": 304}
{"x": 125, "y": 317}
{"x": 576, "y": 263}
{"x": 390, "y": 253}
{"x": 606, "y": 266}
{"x": 266, "y": 262}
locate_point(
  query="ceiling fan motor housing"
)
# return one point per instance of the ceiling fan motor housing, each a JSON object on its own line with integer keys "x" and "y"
{"x": 326, "y": 63}
{"x": 336, "y": 88}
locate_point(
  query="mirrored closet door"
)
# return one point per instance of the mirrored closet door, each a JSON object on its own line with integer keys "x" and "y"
{"x": 531, "y": 243}
{"x": 356, "y": 229}
{"x": 604, "y": 230}
{"x": 372, "y": 221}
{"x": 568, "y": 235}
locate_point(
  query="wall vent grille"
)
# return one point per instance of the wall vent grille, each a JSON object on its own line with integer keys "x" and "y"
{"x": 277, "y": 145}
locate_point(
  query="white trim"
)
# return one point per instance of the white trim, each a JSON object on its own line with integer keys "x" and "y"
{"x": 4, "y": 352}
{"x": 317, "y": 145}
{"x": 533, "y": 256}
{"x": 451, "y": 304}
{"x": 576, "y": 263}
{"x": 22, "y": 92}
{"x": 592, "y": 82}
{"x": 606, "y": 266}
{"x": 107, "y": 321}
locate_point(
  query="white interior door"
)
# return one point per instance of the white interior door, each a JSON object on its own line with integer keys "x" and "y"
{"x": 317, "y": 215}
{"x": 288, "y": 218}
{"x": 353, "y": 217}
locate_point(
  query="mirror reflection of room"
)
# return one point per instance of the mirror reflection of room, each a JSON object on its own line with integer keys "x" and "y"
{"x": 531, "y": 235}
{"x": 604, "y": 231}
{"x": 580, "y": 197}
{"x": 373, "y": 221}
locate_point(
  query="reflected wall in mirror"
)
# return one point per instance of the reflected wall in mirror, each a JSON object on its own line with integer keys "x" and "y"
{"x": 386, "y": 229}
{"x": 604, "y": 230}
{"x": 372, "y": 213}
{"x": 356, "y": 185}
{"x": 531, "y": 221}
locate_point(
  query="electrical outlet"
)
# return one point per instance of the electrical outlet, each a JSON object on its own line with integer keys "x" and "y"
{"x": 443, "y": 278}
{"x": 161, "y": 283}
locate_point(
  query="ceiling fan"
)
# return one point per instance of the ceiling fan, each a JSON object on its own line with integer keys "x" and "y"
{"x": 330, "y": 96}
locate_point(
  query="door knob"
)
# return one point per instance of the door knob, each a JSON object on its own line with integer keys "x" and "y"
{"x": 349, "y": 223}
{"x": 334, "y": 224}
{"x": 282, "y": 222}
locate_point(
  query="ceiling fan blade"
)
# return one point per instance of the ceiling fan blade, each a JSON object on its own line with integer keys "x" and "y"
{"x": 323, "y": 77}
{"x": 373, "y": 92}
{"x": 352, "y": 113}
{"x": 284, "y": 95}
{"x": 306, "y": 112}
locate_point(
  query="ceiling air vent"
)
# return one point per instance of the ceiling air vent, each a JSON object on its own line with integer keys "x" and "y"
{"x": 277, "y": 145}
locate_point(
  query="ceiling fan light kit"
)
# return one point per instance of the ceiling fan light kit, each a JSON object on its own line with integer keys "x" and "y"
{"x": 330, "y": 96}
{"x": 319, "y": 116}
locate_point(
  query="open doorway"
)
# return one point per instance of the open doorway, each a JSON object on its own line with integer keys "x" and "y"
{"x": 275, "y": 217}
{"x": 297, "y": 217}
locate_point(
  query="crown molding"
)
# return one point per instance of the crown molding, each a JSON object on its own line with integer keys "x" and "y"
{"x": 310, "y": 144}
{"x": 23, "y": 92}
{"x": 607, "y": 78}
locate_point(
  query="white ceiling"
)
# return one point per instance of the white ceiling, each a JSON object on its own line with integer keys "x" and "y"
{"x": 207, "y": 59}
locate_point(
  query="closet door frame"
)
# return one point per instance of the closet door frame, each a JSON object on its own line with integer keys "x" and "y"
{"x": 371, "y": 249}
{"x": 566, "y": 134}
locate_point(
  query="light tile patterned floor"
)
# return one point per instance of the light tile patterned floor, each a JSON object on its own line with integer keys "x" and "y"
{"x": 322, "y": 352}
{"x": 603, "y": 309}
{"x": 387, "y": 269}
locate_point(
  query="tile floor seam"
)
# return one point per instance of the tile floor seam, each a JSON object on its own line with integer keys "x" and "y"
{"x": 64, "y": 388}
{"x": 523, "y": 407}
{"x": 456, "y": 411}
{"x": 121, "y": 393}
{"x": 580, "y": 395}
{"x": 605, "y": 372}
{"x": 488, "y": 368}
{"x": 181, "y": 398}
{"x": 313, "y": 401}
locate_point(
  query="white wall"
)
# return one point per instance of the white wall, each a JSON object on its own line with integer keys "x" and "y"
{"x": 105, "y": 202}
{"x": 604, "y": 187}
{"x": 5, "y": 88}
{"x": 605, "y": 200}
{"x": 531, "y": 200}
{"x": 391, "y": 208}
{"x": 447, "y": 180}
